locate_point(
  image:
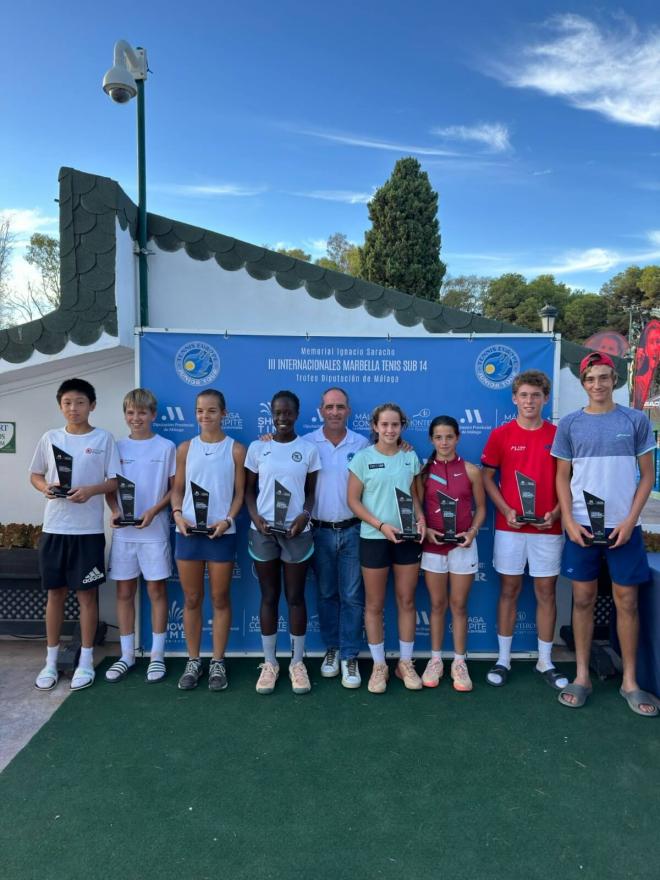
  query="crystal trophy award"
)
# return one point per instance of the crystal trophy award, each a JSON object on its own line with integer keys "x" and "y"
{"x": 527, "y": 493}
{"x": 404, "y": 503}
{"x": 596, "y": 513}
{"x": 448, "y": 510}
{"x": 64, "y": 468}
{"x": 126, "y": 490}
{"x": 200, "y": 498}
{"x": 281, "y": 500}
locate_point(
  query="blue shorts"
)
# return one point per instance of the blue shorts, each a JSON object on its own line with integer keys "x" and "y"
{"x": 199, "y": 548}
{"x": 628, "y": 565}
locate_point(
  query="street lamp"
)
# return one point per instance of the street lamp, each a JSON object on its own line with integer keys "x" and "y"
{"x": 548, "y": 315}
{"x": 124, "y": 81}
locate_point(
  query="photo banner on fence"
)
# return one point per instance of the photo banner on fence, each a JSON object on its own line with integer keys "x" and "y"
{"x": 467, "y": 378}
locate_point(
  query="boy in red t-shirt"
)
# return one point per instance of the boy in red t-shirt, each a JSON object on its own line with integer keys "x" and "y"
{"x": 522, "y": 446}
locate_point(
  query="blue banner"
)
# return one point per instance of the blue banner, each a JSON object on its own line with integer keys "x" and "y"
{"x": 468, "y": 378}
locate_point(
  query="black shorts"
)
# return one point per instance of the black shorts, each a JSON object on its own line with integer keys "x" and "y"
{"x": 381, "y": 553}
{"x": 73, "y": 561}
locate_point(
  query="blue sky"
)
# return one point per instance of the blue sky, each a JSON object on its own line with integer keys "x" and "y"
{"x": 537, "y": 122}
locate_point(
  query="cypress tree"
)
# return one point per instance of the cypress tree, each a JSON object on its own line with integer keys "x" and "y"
{"x": 402, "y": 249}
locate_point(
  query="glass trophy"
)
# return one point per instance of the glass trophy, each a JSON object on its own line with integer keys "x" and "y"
{"x": 200, "y": 499}
{"x": 404, "y": 503}
{"x": 527, "y": 493}
{"x": 596, "y": 513}
{"x": 64, "y": 468}
{"x": 126, "y": 490}
{"x": 281, "y": 501}
{"x": 447, "y": 508}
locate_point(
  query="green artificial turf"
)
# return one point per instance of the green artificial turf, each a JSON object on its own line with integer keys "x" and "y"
{"x": 133, "y": 781}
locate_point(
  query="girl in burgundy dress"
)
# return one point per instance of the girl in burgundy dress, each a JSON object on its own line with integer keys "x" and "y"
{"x": 449, "y": 568}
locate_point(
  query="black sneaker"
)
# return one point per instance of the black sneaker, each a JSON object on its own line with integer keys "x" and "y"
{"x": 191, "y": 676}
{"x": 217, "y": 675}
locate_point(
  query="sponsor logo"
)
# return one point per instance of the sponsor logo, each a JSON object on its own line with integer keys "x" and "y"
{"x": 173, "y": 414}
{"x": 376, "y": 465}
{"x": 313, "y": 625}
{"x": 197, "y": 363}
{"x": 518, "y": 448}
{"x": 296, "y": 456}
{"x": 265, "y": 419}
{"x": 473, "y": 422}
{"x": 93, "y": 575}
{"x": 127, "y": 460}
{"x": 361, "y": 421}
{"x": 173, "y": 420}
{"x": 472, "y": 416}
{"x": 481, "y": 575}
{"x": 420, "y": 421}
{"x": 315, "y": 422}
{"x": 253, "y": 625}
{"x": 282, "y": 625}
{"x": 496, "y": 366}
{"x": 175, "y": 622}
{"x": 236, "y": 574}
{"x": 90, "y": 451}
{"x": 522, "y": 624}
{"x": 350, "y": 456}
{"x": 233, "y": 421}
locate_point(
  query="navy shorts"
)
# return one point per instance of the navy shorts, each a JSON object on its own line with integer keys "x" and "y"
{"x": 381, "y": 553}
{"x": 199, "y": 548}
{"x": 628, "y": 565}
{"x": 73, "y": 561}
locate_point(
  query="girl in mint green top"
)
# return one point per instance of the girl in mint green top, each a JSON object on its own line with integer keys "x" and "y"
{"x": 375, "y": 473}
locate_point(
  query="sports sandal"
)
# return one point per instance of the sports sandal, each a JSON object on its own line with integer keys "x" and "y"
{"x": 47, "y": 679}
{"x": 118, "y": 671}
{"x": 552, "y": 676}
{"x": 637, "y": 699}
{"x": 156, "y": 671}
{"x": 579, "y": 691}
{"x": 501, "y": 671}
{"x": 82, "y": 678}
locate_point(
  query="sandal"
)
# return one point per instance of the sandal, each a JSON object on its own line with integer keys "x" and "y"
{"x": 47, "y": 679}
{"x": 118, "y": 671}
{"x": 637, "y": 699}
{"x": 82, "y": 678}
{"x": 156, "y": 669}
{"x": 552, "y": 676}
{"x": 579, "y": 691}
{"x": 501, "y": 671}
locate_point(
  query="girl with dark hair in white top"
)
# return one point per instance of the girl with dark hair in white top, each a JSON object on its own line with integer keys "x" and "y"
{"x": 214, "y": 462}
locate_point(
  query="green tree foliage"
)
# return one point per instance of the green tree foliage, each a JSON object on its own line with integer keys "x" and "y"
{"x": 511, "y": 298}
{"x": 296, "y": 253}
{"x": 584, "y": 315}
{"x": 622, "y": 294}
{"x": 341, "y": 255}
{"x": 43, "y": 253}
{"x": 402, "y": 248}
{"x": 465, "y": 292}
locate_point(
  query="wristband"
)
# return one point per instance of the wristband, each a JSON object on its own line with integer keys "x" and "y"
{"x": 229, "y": 521}
{"x": 381, "y": 526}
{"x": 176, "y": 510}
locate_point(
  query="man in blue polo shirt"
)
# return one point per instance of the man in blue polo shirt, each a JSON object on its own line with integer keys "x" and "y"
{"x": 598, "y": 449}
{"x": 336, "y": 559}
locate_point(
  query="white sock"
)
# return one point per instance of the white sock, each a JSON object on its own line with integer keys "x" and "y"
{"x": 51, "y": 656}
{"x": 269, "y": 643}
{"x": 545, "y": 656}
{"x": 504, "y": 655}
{"x": 128, "y": 648}
{"x": 378, "y": 652}
{"x": 406, "y": 650}
{"x": 86, "y": 658}
{"x": 298, "y": 648}
{"x": 459, "y": 657}
{"x": 158, "y": 646}
{"x": 436, "y": 655}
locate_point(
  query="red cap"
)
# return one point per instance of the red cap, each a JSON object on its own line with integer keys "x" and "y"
{"x": 596, "y": 357}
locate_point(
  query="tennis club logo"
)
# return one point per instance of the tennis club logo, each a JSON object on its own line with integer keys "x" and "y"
{"x": 197, "y": 363}
{"x": 496, "y": 366}
{"x": 296, "y": 456}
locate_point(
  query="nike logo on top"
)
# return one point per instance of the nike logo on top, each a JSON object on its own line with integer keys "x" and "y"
{"x": 93, "y": 575}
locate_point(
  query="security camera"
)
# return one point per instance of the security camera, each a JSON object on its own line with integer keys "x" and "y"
{"x": 119, "y": 84}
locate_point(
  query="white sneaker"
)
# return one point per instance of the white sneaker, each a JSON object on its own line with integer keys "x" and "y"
{"x": 350, "y": 673}
{"x": 330, "y": 665}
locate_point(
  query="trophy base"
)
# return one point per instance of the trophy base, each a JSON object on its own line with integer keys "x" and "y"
{"x": 127, "y": 521}
{"x": 529, "y": 519}
{"x": 408, "y": 536}
{"x": 59, "y": 492}
{"x": 278, "y": 530}
{"x": 199, "y": 530}
{"x": 453, "y": 539}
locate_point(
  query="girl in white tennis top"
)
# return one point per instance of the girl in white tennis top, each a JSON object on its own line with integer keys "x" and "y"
{"x": 215, "y": 462}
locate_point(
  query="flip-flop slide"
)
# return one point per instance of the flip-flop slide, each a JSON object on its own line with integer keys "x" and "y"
{"x": 636, "y": 699}
{"x": 499, "y": 670}
{"x": 579, "y": 691}
{"x": 118, "y": 671}
{"x": 156, "y": 668}
{"x": 552, "y": 676}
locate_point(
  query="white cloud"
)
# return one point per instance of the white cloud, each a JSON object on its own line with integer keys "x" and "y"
{"x": 542, "y": 173}
{"x": 337, "y": 195}
{"x": 613, "y": 71}
{"x": 370, "y": 143}
{"x": 494, "y": 135}
{"x": 25, "y": 221}
{"x": 599, "y": 259}
{"x": 211, "y": 189}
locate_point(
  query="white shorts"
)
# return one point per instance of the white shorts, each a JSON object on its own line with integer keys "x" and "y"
{"x": 457, "y": 561}
{"x": 542, "y": 553}
{"x": 129, "y": 559}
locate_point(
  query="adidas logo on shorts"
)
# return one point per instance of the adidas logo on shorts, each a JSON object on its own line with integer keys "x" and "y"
{"x": 93, "y": 575}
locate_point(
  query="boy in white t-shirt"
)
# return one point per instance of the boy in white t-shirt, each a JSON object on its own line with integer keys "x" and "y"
{"x": 149, "y": 461}
{"x": 72, "y": 546}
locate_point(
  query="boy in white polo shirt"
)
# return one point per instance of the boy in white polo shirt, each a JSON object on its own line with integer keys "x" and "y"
{"x": 149, "y": 461}
{"x": 71, "y": 548}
